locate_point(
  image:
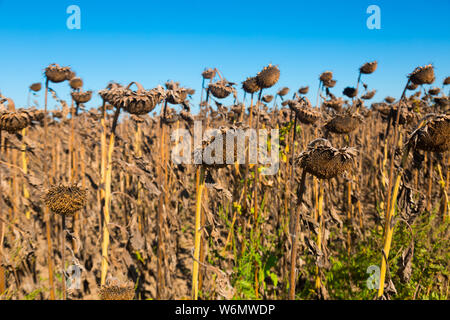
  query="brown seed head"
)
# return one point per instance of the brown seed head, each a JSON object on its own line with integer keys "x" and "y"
{"x": 303, "y": 90}
{"x": 368, "y": 67}
{"x": 56, "y": 73}
{"x": 434, "y": 135}
{"x": 36, "y": 87}
{"x": 350, "y": 92}
{"x": 344, "y": 123}
{"x": 250, "y": 85}
{"x": 115, "y": 290}
{"x": 76, "y": 83}
{"x": 326, "y": 76}
{"x": 81, "y": 96}
{"x": 209, "y": 73}
{"x": 422, "y": 75}
{"x": 283, "y": 91}
{"x": 220, "y": 89}
{"x": 268, "y": 76}
{"x": 65, "y": 200}
{"x": 324, "y": 161}
{"x": 267, "y": 98}
{"x": 369, "y": 95}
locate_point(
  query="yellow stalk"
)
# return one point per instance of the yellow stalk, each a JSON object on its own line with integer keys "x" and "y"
{"x": 26, "y": 194}
{"x": 319, "y": 236}
{"x": 197, "y": 234}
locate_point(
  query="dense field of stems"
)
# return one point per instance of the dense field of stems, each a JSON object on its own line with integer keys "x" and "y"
{"x": 358, "y": 209}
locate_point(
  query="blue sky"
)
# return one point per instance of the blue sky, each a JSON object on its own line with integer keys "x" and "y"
{"x": 152, "y": 42}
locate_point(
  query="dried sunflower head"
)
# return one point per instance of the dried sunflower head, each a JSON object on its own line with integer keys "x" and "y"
{"x": 369, "y": 95}
{"x": 208, "y": 149}
{"x": 329, "y": 83}
{"x": 434, "y": 91}
{"x": 176, "y": 94}
{"x": 335, "y": 104}
{"x": 14, "y": 121}
{"x": 326, "y": 76}
{"x": 267, "y": 98}
{"x": 422, "y": 75}
{"x": 268, "y": 76}
{"x": 220, "y": 89}
{"x": 138, "y": 102}
{"x": 81, "y": 96}
{"x": 368, "y": 67}
{"x": 250, "y": 85}
{"x": 350, "y": 92}
{"x": 116, "y": 290}
{"x": 446, "y": 81}
{"x": 324, "y": 161}
{"x": 209, "y": 73}
{"x": 303, "y": 90}
{"x": 434, "y": 135}
{"x": 389, "y": 99}
{"x": 344, "y": 123}
{"x": 65, "y": 200}
{"x": 36, "y": 87}
{"x": 283, "y": 91}
{"x": 56, "y": 73}
{"x": 76, "y": 83}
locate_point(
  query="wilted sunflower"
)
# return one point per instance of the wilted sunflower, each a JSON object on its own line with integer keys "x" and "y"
{"x": 412, "y": 86}
{"x": 368, "y": 67}
{"x": 422, "y": 75}
{"x": 268, "y": 76}
{"x": 209, "y": 73}
{"x": 81, "y": 96}
{"x": 369, "y": 95}
{"x": 344, "y": 123}
{"x": 220, "y": 89}
{"x": 434, "y": 135}
{"x": 350, "y": 92}
{"x": 208, "y": 146}
{"x": 389, "y": 99}
{"x": 138, "y": 102}
{"x": 76, "y": 83}
{"x": 326, "y": 76}
{"x": 14, "y": 121}
{"x": 335, "y": 104}
{"x": 329, "y": 83}
{"x": 111, "y": 92}
{"x": 434, "y": 91}
{"x": 303, "y": 90}
{"x": 446, "y": 81}
{"x": 442, "y": 101}
{"x": 36, "y": 87}
{"x": 176, "y": 94}
{"x": 250, "y": 85}
{"x": 115, "y": 290}
{"x": 65, "y": 200}
{"x": 56, "y": 73}
{"x": 267, "y": 98}
{"x": 283, "y": 91}
{"x": 324, "y": 161}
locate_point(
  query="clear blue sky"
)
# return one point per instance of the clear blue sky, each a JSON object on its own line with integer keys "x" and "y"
{"x": 155, "y": 41}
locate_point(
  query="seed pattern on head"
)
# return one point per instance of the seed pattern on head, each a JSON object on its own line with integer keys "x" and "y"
{"x": 344, "y": 123}
{"x": 324, "y": 161}
{"x": 250, "y": 85}
{"x": 369, "y": 95}
{"x": 422, "y": 75}
{"x": 326, "y": 76}
{"x": 76, "y": 83}
{"x": 303, "y": 90}
{"x": 209, "y": 73}
{"x": 368, "y": 67}
{"x": 36, "y": 87}
{"x": 137, "y": 102}
{"x": 81, "y": 96}
{"x": 434, "y": 135}
{"x": 55, "y": 73}
{"x": 221, "y": 89}
{"x": 14, "y": 121}
{"x": 268, "y": 76}
{"x": 116, "y": 290}
{"x": 65, "y": 200}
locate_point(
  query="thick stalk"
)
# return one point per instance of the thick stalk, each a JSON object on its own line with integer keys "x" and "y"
{"x": 197, "y": 233}
{"x": 300, "y": 192}
{"x": 318, "y": 282}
